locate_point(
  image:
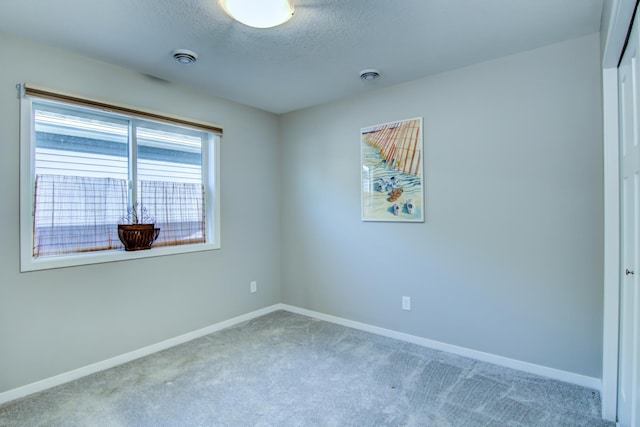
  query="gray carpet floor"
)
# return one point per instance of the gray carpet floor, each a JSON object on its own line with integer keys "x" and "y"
{"x": 284, "y": 369}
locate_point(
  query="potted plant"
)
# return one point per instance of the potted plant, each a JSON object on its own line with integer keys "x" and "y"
{"x": 136, "y": 229}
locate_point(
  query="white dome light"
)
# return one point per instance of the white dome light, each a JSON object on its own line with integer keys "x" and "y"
{"x": 259, "y": 13}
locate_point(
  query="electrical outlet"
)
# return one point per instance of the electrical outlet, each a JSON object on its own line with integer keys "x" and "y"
{"x": 406, "y": 303}
{"x": 253, "y": 287}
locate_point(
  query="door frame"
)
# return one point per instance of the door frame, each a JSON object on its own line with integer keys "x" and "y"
{"x": 616, "y": 19}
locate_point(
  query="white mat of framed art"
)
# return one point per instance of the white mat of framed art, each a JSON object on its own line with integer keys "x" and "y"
{"x": 392, "y": 161}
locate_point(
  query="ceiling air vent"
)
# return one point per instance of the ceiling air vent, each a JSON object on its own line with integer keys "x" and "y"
{"x": 369, "y": 75}
{"x": 184, "y": 56}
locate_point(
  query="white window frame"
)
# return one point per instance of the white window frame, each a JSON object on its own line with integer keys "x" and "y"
{"x": 211, "y": 178}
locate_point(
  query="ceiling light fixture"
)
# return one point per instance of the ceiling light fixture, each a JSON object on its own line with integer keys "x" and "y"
{"x": 185, "y": 56}
{"x": 259, "y": 13}
{"x": 370, "y": 74}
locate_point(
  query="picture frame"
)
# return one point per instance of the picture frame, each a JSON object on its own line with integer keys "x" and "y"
{"x": 392, "y": 164}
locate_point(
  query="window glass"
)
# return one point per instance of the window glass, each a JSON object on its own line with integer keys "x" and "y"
{"x": 70, "y": 144}
{"x": 170, "y": 183}
{"x": 169, "y": 156}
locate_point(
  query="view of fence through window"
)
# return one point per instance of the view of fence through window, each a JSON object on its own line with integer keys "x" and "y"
{"x": 84, "y": 167}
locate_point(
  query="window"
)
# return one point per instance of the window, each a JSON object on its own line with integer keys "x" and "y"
{"x": 84, "y": 168}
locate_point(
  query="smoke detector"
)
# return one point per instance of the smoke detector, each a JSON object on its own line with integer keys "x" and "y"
{"x": 185, "y": 56}
{"x": 369, "y": 74}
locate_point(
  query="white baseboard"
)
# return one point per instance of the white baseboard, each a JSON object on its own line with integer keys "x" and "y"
{"x": 593, "y": 383}
{"x": 128, "y": 357}
{"x": 556, "y": 374}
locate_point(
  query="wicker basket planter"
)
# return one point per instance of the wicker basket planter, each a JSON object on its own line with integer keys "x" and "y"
{"x": 136, "y": 237}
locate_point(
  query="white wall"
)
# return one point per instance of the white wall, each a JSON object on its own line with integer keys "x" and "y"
{"x": 58, "y": 320}
{"x": 509, "y": 261}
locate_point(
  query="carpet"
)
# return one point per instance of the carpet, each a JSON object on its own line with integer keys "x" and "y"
{"x": 284, "y": 369}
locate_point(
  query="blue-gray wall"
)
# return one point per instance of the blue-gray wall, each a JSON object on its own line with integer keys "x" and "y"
{"x": 509, "y": 261}
{"x": 55, "y": 321}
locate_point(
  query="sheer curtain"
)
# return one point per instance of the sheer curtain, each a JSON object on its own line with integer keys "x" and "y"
{"x": 74, "y": 214}
{"x": 77, "y": 214}
{"x": 178, "y": 210}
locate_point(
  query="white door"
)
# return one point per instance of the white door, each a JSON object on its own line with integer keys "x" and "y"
{"x": 629, "y": 351}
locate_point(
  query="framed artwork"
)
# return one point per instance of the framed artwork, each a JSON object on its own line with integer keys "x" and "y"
{"x": 391, "y": 157}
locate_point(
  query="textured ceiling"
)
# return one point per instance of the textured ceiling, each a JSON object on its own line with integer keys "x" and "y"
{"x": 314, "y": 58}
